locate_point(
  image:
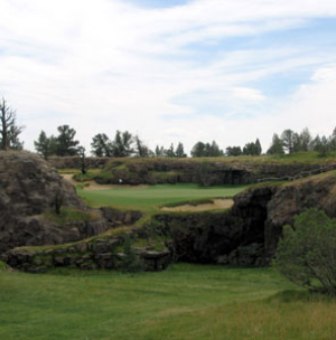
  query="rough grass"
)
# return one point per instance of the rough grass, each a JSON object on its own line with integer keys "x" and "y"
{"x": 184, "y": 302}
{"x": 68, "y": 215}
{"x": 3, "y": 266}
{"x": 310, "y": 157}
{"x": 152, "y": 197}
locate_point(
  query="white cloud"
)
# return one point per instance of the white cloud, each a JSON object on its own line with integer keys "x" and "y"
{"x": 105, "y": 65}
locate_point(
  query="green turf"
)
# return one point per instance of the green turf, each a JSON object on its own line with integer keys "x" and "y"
{"x": 184, "y": 302}
{"x": 147, "y": 198}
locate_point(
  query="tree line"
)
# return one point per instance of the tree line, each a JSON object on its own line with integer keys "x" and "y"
{"x": 125, "y": 144}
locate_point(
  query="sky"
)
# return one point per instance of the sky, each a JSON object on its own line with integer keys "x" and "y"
{"x": 170, "y": 70}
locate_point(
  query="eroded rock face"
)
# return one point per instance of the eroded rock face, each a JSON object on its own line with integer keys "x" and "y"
{"x": 106, "y": 252}
{"x": 29, "y": 190}
{"x": 29, "y": 186}
{"x": 249, "y": 233}
{"x": 292, "y": 199}
{"x": 265, "y": 210}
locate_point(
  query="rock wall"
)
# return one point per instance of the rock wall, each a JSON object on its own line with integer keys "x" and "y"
{"x": 248, "y": 234}
{"x": 212, "y": 171}
{"x": 106, "y": 251}
{"x": 74, "y": 162}
{"x": 206, "y": 172}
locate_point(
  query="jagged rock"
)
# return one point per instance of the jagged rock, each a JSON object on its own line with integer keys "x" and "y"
{"x": 30, "y": 190}
{"x": 29, "y": 186}
{"x": 87, "y": 254}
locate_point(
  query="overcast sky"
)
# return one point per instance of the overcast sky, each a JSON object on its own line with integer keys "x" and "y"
{"x": 170, "y": 70}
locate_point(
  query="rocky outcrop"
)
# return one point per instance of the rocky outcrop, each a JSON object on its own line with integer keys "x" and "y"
{"x": 266, "y": 209}
{"x": 29, "y": 186}
{"x": 30, "y": 192}
{"x": 206, "y": 172}
{"x": 75, "y": 162}
{"x": 108, "y": 251}
{"x": 293, "y": 198}
{"x": 245, "y": 235}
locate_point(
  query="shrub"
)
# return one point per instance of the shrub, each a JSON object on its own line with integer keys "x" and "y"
{"x": 3, "y": 266}
{"x": 306, "y": 254}
{"x": 131, "y": 262}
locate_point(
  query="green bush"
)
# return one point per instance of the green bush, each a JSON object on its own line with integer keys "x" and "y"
{"x": 3, "y": 266}
{"x": 306, "y": 254}
{"x": 131, "y": 263}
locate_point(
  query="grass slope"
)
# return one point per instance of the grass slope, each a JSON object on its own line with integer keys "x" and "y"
{"x": 184, "y": 302}
{"x": 151, "y": 197}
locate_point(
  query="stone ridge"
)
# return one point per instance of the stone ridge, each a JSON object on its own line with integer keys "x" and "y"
{"x": 29, "y": 189}
{"x": 29, "y": 185}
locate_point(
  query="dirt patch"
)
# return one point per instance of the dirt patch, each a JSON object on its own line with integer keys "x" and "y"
{"x": 95, "y": 186}
{"x": 219, "y": 203}
{"x": 68, "y": 177}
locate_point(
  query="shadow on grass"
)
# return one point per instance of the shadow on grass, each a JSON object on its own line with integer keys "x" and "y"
{"x": 288, "y": 296}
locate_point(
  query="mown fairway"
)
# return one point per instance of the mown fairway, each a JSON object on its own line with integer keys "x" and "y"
{"x": 184, "y": 302}
{"x": 151, "y": 197}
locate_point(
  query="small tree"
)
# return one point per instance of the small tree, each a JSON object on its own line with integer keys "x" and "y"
{"x": 306, "y": 254}
{"x": 81, "y": 151}
{"x": 179, "y": 152}
{"x": 170, "y": 152}
{"x": 122, "y": 144}
{"x": 141, "y": 150}
{"x": 46, "y": 146}
{"x": 233, "y": 151}
{"x": 160, "y": 151}
{"x": 277, "y": 146}
{"x": 101, "y": 145}
{"x": 253, "y": 149}
{"x": 198, "y": 150}
{"x": 131, "y": 262}
{"x": 58, "y": 201}
{"x": 9, "y": 131}
{"x": 288, "y": 138}
{"x": 66, "y": 145}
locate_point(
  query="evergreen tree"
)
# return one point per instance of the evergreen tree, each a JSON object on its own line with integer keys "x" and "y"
{"x": 305, "y": 140}
{"x": 258, "y": 148}
{"x": 233, "y": 151}
{"x": 213, "y": 150}
{"x": 179, "y": 152}
{"x": 66, "y": 145}
{"x": 101, "y": 146}
{"x": 288, "y": 138}
{"x": 159, "y": 151}
{"x": 198, "y": 150}
{"x": 332, "y": 140}
{"x": 44, "y": 145}
{"x": 170, "y": 152}
{"x": 122, "y": 144}
{"x": 277, "y": 146}
{"x": 141, "y": 150}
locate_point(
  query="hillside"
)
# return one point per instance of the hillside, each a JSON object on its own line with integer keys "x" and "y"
{"x": 31, "y": 193}
{"x": 203, "y": 171}
{"x": 246, "y": 234}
